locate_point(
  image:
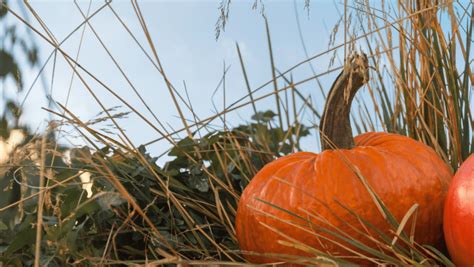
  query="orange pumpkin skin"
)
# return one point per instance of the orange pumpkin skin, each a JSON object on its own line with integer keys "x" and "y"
{"x": 400, "y": 170}
{"x": 459, "y": 215}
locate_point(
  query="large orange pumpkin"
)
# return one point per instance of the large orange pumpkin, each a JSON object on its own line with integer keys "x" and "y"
{"x": 400, "y": 170}
{"x": 459, "y": 215}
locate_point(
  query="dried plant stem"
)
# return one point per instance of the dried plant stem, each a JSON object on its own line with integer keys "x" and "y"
{"x": 39, "y": 219}
{"x": 275, "y": 83}
{"x": 336, "y": 131}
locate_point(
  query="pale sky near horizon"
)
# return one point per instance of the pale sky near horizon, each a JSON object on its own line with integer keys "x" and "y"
{"x": 183, "y": 33}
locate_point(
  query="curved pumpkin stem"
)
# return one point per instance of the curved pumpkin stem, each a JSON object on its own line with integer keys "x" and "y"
{"x": 335, "y": 126}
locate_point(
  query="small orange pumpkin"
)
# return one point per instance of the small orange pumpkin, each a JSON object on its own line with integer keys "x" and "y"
{"x": 400, "y": 170}
{"x": 459, "y": 215}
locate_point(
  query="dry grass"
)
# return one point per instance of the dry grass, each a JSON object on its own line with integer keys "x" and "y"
{"x": 183, "y": 212}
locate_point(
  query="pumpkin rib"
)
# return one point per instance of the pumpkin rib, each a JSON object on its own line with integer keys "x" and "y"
{"x": 268, "y": 170}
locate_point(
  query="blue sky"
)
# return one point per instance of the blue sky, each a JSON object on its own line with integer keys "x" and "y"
{"x": 184, "y": 35}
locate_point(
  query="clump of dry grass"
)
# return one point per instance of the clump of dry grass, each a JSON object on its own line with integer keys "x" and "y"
{"x": 424, "y": 86}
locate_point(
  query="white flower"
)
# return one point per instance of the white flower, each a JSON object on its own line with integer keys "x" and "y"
{"x": 7, "y": 146}
{"x": 86, "y": 182}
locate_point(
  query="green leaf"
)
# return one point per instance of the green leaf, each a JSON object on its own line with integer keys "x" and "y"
{"x": 33, "y": 55}
{"x": 443, "y": 258}
{"x": 61, "y": 231}
{"x": 185, "y": 145}
{"x": 266, "y": 116}
{"x": 8, "y": 63}
{"x": 3, "y": 10}
{"x": 23, "y": 238}
{"x": 3, "y": 226}
{"x": 9, "y": 66}
{"x": 199, "y": 183}
{"x": 71, "y": 200}
{"x": 110, "y": 199}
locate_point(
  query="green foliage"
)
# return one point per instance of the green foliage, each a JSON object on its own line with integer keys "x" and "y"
{"x": 10, "y": 68}
{"x": 9, "y": 52}
{"x": 3, "y": 9}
